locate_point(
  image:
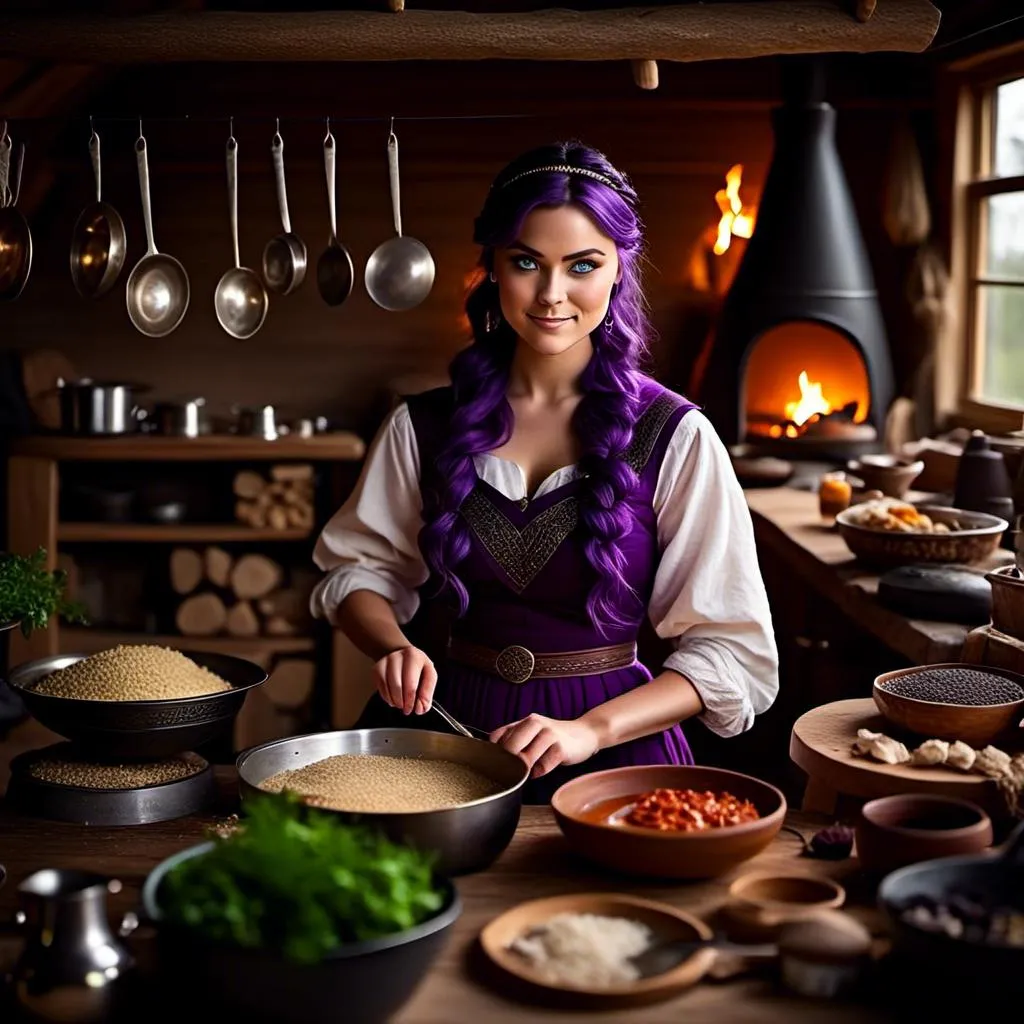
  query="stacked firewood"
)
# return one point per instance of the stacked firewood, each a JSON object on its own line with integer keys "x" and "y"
{"x": 248, "y": 596}
{"x": 282, "y": 706}
{"x": 282, "y": 502}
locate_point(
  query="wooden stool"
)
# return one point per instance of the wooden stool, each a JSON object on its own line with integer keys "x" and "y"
{"x": 822, "y": 745}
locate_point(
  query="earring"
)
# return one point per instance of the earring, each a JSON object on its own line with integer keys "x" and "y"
{"x": 493, "y": 277}
{"x": 492, "y": 321}
{"x": 609, "y": 323}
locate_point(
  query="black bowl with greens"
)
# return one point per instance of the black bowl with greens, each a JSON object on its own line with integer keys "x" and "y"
{"x": 298, "y": 917}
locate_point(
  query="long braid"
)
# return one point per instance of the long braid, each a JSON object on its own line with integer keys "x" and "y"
{"x": 481, "y": 421}
{"x": 604, "y": 422}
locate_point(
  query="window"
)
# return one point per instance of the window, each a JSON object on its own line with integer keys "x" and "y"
{"x": 989, "y": 234}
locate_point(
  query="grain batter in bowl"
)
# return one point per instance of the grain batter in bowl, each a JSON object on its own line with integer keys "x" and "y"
{"x": 379, "y": 784}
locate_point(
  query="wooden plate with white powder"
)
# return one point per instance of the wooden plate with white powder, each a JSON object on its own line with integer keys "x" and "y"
{"x": 566, "y": 947}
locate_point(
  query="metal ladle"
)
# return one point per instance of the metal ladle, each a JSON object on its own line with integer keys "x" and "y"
{"x": 15, "y": 236}
{"x": 284, "y": 257}
{"x": 334, "y": 269}
{"x": 400, "y": 272}
{"x": 240, "y": 299}
{"x": 98, "y": 245}
{"x": 158, "y": 290}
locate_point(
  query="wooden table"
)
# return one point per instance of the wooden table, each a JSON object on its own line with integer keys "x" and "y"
{"x": 822, "y": 745}
{"x": 789, "y": 522}
{"x": 538, "y": 863}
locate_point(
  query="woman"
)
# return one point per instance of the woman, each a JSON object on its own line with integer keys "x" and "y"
{"x": 551, "y": 498}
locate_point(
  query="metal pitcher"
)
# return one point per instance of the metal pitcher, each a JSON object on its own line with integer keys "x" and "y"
{"x": 71, "y": 962}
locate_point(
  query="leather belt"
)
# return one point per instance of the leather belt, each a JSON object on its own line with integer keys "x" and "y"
{"x": 517, "y": 664}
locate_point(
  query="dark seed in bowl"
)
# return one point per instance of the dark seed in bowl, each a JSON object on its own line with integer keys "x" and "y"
{"x": 966, "y": 686}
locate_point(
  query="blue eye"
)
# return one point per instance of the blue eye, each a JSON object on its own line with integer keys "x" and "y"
{"x": 588, "y": 266}
{"x": 524, "y": 263}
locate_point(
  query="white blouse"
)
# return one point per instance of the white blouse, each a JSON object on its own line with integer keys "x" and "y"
{"x": 709, "y": 598}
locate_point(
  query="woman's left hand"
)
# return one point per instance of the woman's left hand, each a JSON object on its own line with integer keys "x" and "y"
{"x": 545, "y": 743}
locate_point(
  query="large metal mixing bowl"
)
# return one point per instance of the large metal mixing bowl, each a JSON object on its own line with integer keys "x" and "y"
{"x": 360, "y": 982}
{"x": 467, "y": 838}
{"x": 139, "y": 728}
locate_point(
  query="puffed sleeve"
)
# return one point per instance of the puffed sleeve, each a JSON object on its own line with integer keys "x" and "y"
{"x": 709, "y": 597}
{"x": 371, "y": 541}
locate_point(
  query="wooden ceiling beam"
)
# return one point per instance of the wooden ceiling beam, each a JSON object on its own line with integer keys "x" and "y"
{"x": 686, "y": 32}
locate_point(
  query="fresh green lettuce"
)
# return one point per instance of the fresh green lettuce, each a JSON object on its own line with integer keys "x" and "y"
{"x": 300, "y": 883}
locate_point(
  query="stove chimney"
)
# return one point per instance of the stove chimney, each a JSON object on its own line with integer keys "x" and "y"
{"x": 806, "y": 260}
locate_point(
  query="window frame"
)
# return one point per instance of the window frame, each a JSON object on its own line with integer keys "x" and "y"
{"x": 968, "y": 103}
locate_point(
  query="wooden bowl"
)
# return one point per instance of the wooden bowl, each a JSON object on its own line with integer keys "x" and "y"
{"x": 976, "y": 725}
{"x": 908, "y": 828}
{"x": 1007, "y": 601}
{"x": 582, "y": 808}
{"x": 667, "y": 924}
{"x": 977, "y": 539}
{"x": 886, "y": 473}
{"x": 760, "y": 904}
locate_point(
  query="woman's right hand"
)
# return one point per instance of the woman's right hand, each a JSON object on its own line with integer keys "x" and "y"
{"x": 406, "y": 679}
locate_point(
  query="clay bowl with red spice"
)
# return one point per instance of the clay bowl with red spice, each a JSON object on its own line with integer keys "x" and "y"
{"x": 591, "y": 811}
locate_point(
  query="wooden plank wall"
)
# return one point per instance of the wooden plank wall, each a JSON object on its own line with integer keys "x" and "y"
{"x": 677, "y": 143}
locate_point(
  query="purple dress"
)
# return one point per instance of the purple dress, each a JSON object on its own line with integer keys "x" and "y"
{"x": 528, "y": 578}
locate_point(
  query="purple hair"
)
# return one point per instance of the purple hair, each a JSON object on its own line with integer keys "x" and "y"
{"x": 604, "y": 418}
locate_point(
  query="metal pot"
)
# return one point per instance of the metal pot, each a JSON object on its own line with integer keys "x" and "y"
{"x": 99, "y": 407}
{"x": 180, "y": 419}
{"x": 256, "y": 421}
{"x": 948, "y": 964}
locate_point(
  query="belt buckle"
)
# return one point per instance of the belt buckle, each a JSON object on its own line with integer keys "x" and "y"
{"x": 515, "y": 664}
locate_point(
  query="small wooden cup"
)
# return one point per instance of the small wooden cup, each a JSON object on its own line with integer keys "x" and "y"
{"x": 760, "y": 904}
{"x": 908, "y": 828}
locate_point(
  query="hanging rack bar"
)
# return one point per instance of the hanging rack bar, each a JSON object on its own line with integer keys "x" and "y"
{"x": 674, "y": 33}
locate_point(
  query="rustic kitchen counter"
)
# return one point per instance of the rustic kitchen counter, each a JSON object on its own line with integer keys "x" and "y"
{"x": 787, "y": 523}
{"x": 538, "y": 863}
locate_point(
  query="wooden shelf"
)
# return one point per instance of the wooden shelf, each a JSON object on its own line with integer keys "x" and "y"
{"x": 84, "y": 640}
{"x": 183, "y": 533}
{"x": 340, "y": 446}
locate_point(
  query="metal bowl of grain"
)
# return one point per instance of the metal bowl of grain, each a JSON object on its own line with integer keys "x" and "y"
{"x": 109, "y": 725}
{"x": 457, "y": 796}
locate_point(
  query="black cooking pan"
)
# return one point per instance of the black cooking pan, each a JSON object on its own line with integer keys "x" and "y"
{"x": 974, "y": 887}
{"x": 139, "y": 728}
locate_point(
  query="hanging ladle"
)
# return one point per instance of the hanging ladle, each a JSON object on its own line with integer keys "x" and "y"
{"x": 158, "y": 289}
{"x": 15, "y": 236}
{"x": 98, "y": 242}
{"x": 400, "y": 272}
{"x": 284, "y": 257}
{"x": 240, "y": 299}
{"x": 334, "y": 270}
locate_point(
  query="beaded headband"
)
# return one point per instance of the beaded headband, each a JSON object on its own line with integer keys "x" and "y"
{"x": 564, "y": 169}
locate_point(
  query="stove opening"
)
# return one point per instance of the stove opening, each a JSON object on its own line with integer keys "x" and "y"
{"x": 806, "y": 380}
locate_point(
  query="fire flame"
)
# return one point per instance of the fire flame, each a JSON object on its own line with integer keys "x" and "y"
{"x": 811, "y": 403}
{"x": 736, "y": 218}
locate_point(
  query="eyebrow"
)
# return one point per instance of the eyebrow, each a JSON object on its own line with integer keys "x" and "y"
{"x": 572, "y": 256}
